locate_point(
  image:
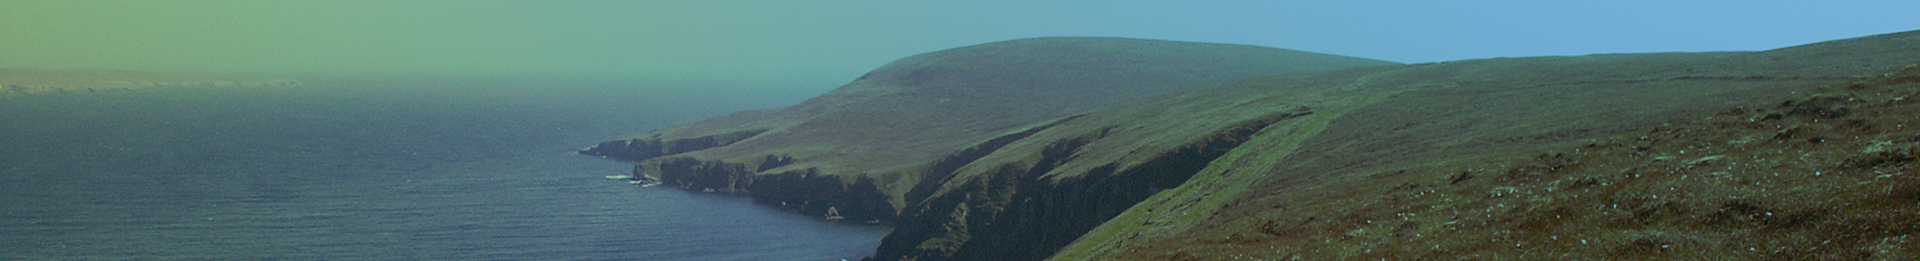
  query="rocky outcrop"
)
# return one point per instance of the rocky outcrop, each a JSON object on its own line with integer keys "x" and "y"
{"x": 21, "y": 81}
{"x": 654, "y": 147}
{"x": 868, "y": 148}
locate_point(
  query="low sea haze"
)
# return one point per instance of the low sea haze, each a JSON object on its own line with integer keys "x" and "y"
{"x": 375, "y": 169}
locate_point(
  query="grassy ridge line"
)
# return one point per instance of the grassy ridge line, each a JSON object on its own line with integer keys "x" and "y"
{"x": 902, "y": 124}
{"x": 1454, "y": 114}
{"x": 1217, "y": 184}
{"x": 1823, "y": 175}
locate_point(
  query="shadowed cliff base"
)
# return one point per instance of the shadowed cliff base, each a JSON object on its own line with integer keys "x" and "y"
{"x": 1333, "y": 164}
{"x": 27, "y": 81}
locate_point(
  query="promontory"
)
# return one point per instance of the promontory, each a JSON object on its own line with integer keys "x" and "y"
{"x": 1074, "y": 148}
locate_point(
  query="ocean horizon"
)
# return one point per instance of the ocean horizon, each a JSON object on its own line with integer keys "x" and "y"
{"x": 374, "y": 169}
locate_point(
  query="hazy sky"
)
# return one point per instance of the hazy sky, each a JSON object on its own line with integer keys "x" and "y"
{"x": 831, "y": 42}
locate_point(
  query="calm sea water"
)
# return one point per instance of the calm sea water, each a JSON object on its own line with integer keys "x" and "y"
{"x": 370, "y": 170}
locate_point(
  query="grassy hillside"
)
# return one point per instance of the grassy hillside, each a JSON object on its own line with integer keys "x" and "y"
{"x": 864, "y": 147}
{"x": 1824, "y": 174}
{"x": 1022, "y": 151}
{"x": 1796, "y": 153}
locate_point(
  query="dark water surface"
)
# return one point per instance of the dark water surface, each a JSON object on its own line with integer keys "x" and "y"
{"x": 369, "y": 170}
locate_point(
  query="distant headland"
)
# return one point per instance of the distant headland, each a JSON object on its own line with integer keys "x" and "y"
{"x": 35, "y": 81}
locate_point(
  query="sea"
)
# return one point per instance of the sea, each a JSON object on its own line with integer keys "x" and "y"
{"x": 377, "y": 168}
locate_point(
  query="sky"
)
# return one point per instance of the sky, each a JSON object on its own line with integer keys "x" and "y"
{"x": 831, "y": 42}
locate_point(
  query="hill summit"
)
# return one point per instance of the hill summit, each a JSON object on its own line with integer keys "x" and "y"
{"x": 862, "y": 148}
{"x": 1793, "y": 153}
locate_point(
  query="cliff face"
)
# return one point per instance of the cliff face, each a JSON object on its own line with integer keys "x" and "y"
{"x": 21, "y": 81}
{"x": 874, "y": 146}
{"x": 1484, "y": 158}
{"x": 1211, "y": 161}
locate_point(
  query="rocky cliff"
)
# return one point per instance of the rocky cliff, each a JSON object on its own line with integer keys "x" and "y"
{"x": 884, "y": 141}
{"x": 1795, "y": 153}
{"x": 24, "y": 81}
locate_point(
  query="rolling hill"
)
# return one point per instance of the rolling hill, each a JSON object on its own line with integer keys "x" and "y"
{"x": 998, "y": 152}
{"x": 866, "y": 148}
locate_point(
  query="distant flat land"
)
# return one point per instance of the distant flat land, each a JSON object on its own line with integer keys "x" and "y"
{"x": 31, "y": 81}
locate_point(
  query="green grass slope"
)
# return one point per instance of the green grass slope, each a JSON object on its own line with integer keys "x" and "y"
{"x": 861, "y": 148}
{"x": 1795, "y": 153}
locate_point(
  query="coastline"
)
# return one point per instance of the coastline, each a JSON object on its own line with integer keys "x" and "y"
{"x": 35, "y": 81}
{"x": 1175, "y": 167}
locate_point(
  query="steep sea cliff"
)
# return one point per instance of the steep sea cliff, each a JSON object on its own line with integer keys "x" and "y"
{"x": 1099, "y": 149}
{"x": 888, "y": 139}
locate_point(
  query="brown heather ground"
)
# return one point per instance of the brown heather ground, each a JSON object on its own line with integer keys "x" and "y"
{"x": 1826, "y": 175}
